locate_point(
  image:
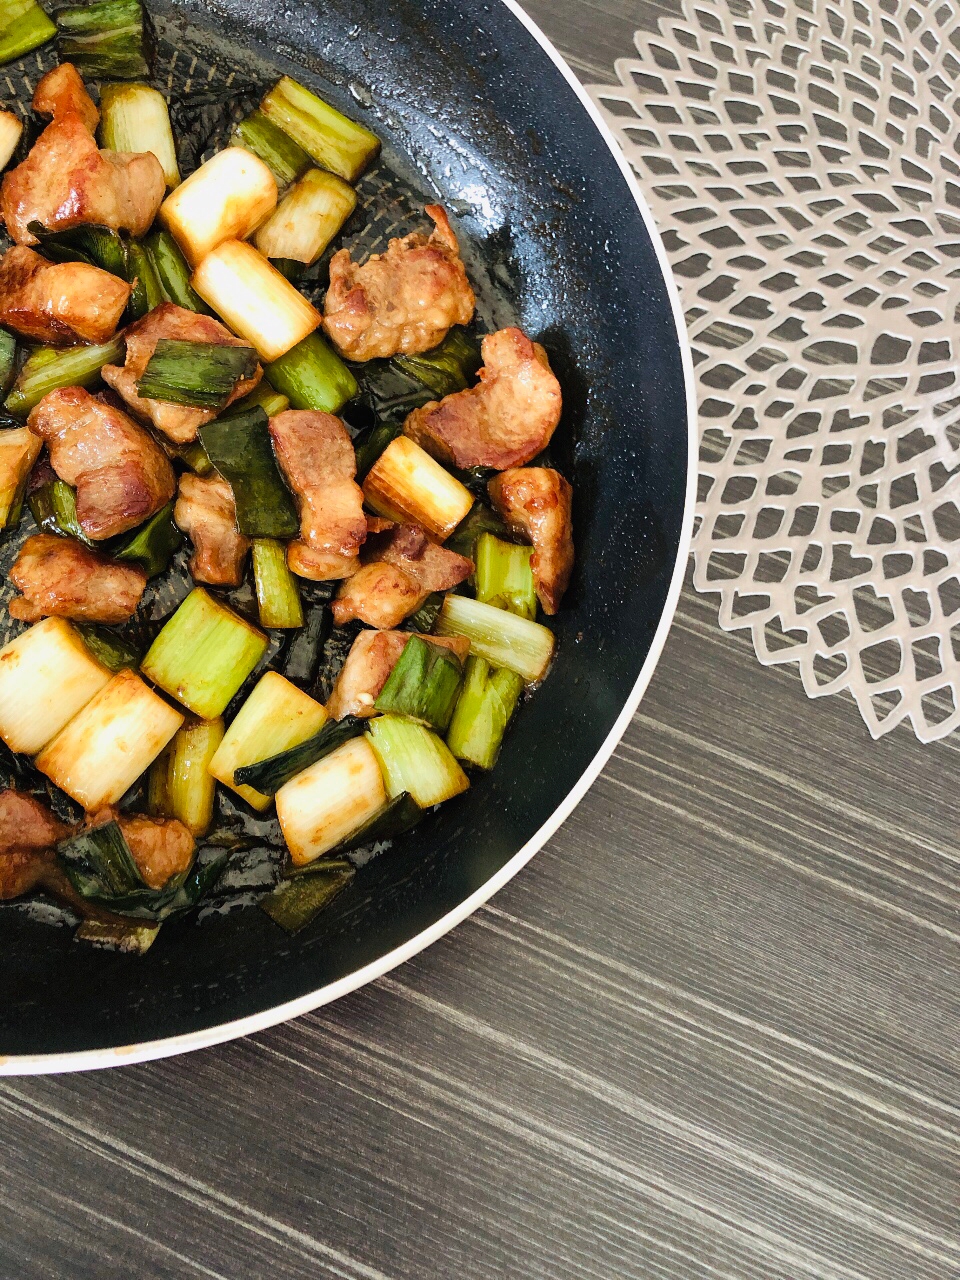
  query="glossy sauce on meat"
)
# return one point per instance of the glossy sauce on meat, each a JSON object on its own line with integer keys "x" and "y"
{"x": 63, "y": 578}
{"x": 59, "y": 302}
{"x": 207, "y": 513}
{"x": 61, "y": 92}
{"x": 404, "y": 568}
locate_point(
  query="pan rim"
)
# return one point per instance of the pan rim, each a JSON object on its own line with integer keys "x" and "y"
{"x": 150, "y": 1050}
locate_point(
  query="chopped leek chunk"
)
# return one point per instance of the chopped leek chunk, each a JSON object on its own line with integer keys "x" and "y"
{"x": 172, "y": 271}
{"x": 240, "y": 449}
{"x": 277, "y": 592}
{"x": 184, "y": 786}
{"x": 201, "y": 374}
{"x": 225, "y": 199}
{"x": 270, "y": 773}
{"x": 504, "y": 639}
{"x": 503, "y": 575}
{"x": 11, "y": 127}
{"x": 48, "y": 368}
{"x": 19, "y": 450}
{"x": 307, "y": 218}
{"x": 449, "y": 367}
{"x": 335, "y": 142}
{"x": 414, "y": 759}
{"x": 330, "y": 800}
{"x": 135, "y": 118}
{"x": 312, "y": 376}
{"x": 24, "y": 26}
{"x": 423, "y": 684}
{"x": 487, "y": 702}
{"x": 142, "y": 276}
{"x": 103, "y": 39}
{"x": 405, "y": 483}
{"x": 294, "y": 903}
{"x": 285, "y": 159}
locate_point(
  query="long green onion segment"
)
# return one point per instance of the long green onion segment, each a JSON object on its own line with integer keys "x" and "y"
{"x": 415, "y": 760}
{"x": 104, "y": 40}
{"x": 126, "y": 936}
{"x": 202, "y": 375}
{"x": 502, "y": 638}
{"x": 19, "y": 450}
{"x": 335, "y": 143}
{"x": 96, "y": 246}
{"x": 312, "y": 376}
{"x": 307, "y": 218}
{"x": 99, "y": 864}
{"x": 262, "y": 396}
{"x": 277, "y": 593}
{"x": 268, "y": 775}
{"x": 240, "y": 449}
{"x": 276, "y": 716}
{"x": 397, "y": 815}
{"x": 372, "y": 443}
{"x": 503, "y": 576}
{"x": 48, "y": 368}
{"x": 23, "y": 27}
{"x": 195, "y": 457}
{"x": 11, "y": 131}
{"x": 184, "y": 787}
{"x": 295, "y": 902}
{"x": 480, "y": 519}
{"x": 142, "y": 275}
{"x": 449, "y": 367}
{"x": 285, "y": 158}
{"x": 487, "y": 701}
{"x": 407, "y": 484}
{"x": 154, "y": 544}
{"x": 203, "y": 654}
{"x": 54, "y": 510}
{"x": 134, "y": 117}
{"x": 423, "y": 684}
{"x": 109, "y": 648}
{"x": 8, "y": 360}
{"x": 173, "y": 272}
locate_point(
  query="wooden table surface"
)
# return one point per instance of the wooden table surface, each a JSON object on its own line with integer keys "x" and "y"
{"x": 710, "y": 1032}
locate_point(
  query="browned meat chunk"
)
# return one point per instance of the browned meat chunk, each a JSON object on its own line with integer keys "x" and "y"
{"x": 59, "y": 301}
{"x": 207, "y": 513}
{"x": 372, "y": 657}
{"x": 179, "y": 423}
{"x": 62, "y": 92}
{"x": 161, "y": 847}
{"x": 66, "y": 181}
{"x": 433, "y": 568}
{"x": 63, "y": 578}
{"x": 401, "y": 301}
{"x": 536, "y": 503}
{"x": 380, "y": 594}
{"x": 316, "y": 455}
{"x": 28, "y": 832}
{"x": 504, "y": 421}
{"x": 121, "y": 474}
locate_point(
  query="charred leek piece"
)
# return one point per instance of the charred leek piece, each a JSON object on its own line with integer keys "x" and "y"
{"x": 481, "y": 519}
{"x": 8, "y": 360}
{"x": 110, "y": 649}
{"x": 487, "y": 702}
{"x": 190, "y": 787}
{"x": 277, "y": 591}
{"x": 294, "y": 903}
{"x": 97, "y": 246}
{"x": 141, "y": 274}
{"x": 372, "y": 443}
{"x": 23, "y": 27}
{"x": 99, "y": 863}
{"x": 397, "y": 815}
{"x": 329, "y": 801}
{"x": 135, "y": 117}
{"x": 200, "y": 374}
{"x": 405, "y": 483}
{"x": 239, "y": 447}
{"x": 54, "y": 510}
{"x": 307, "y": 218}
{"x": 225, "y": 199}
{"x": 203, "y": 654}
{"x": 500, "y": 637}
{"x": 301, "y": 662}
{"x": 503, "y": 576}
{"x": 335, "y": 143}
{"x": 19, "y": 450}
{"x": 415, "y": 760}
{"x": 276, "y": 717}
{"x": 48, "y": 368}
{"x": 127, "y": 936}
{"x": 173, "y": 272}
{"x": 270, "y": 774}
{"x": 285, "y": 158}
{"x": 423, "y": 684}
{"x": 154, "y": 544}
{"x": 103, "y": 40}
{"x": 312, "y": 376}
{"x": 450, "y": 367}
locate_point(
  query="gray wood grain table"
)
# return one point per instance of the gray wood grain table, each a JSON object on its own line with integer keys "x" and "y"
{"x": 711, "y": 1031}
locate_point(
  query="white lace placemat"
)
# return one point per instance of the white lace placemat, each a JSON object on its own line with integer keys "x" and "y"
{"x": 803, "y": 164}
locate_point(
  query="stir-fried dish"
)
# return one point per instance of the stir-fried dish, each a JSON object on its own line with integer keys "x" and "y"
{"x": 188, "y": 364}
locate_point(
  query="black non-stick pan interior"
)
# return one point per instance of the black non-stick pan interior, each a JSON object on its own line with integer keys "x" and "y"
{"x": 473, "y": 111}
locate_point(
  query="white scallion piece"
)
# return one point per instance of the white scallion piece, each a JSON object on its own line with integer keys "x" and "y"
{"x": 330, "y": 800}
{"x": 225, "y": 199}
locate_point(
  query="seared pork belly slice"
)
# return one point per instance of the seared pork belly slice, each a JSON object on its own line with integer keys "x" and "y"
{"x": 61, "y": 577}
{"x": 59, "y": 301}
{"x": 379, "y": 594}
{"x": 402, "y": 301}
{"x": 504, "y": 421}
{"x": 161, "y": 847}
{"x": 121, "y": 475}
{"x": 535, "y": 502}
{"x": 316, "y": 455}
{"x": 66, "y": 181}
{"x": 320, "y": 566}
{"x": 179, "y": 423}
{"x": 433, "y": 567}
{"x": 207, "y": 514}
{"x": 61, "y": 92}
{"x": 372, "y": 657}
{"x": 28, "y": 833}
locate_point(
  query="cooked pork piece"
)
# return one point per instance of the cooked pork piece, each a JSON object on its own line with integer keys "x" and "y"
{"x": 379, "y": 524}
{"x": 121, "y": 475}
{"x": 402, "y": 301}
{"x": 372, "y": 657}
{"x": 179, "y": 423}
{"x": 504, "y": 421}
{"x": 433, "y": 568}
{"x": 536, "y": 503}
{"x": 28, "y": 832}
{"x": 319, "y": 566}
{"x": 161, "y": 847}
{"x": 316, "y": 455}
{"x": 380, "y": 594}
{"x": 63, "y": 578}
{"x": 59, "y": 301}
{"x": 66, "y": 181}
{"x": 207, "y": 513}
{"x": 62, "y": 91}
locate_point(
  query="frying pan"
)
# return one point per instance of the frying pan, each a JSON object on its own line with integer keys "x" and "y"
{"x": 475, "y": 108}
